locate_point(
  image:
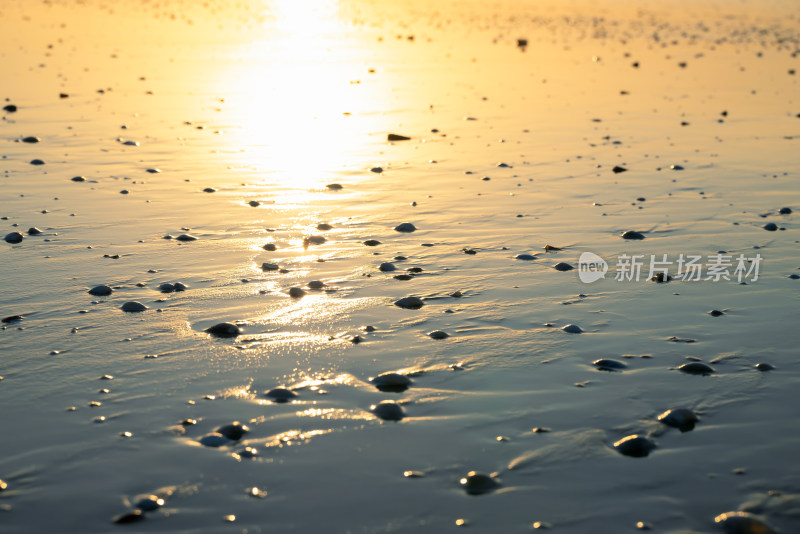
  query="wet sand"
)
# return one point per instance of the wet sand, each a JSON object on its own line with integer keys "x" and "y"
{"x": 234, "y": 125}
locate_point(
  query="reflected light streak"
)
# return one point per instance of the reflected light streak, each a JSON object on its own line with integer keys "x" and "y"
{"x": 292, "y": 91}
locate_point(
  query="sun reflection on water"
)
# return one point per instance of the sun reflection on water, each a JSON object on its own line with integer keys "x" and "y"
{"x": 296, "y": 94}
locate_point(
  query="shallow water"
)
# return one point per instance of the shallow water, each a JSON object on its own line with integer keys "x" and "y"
{"x": 272, "y": 103}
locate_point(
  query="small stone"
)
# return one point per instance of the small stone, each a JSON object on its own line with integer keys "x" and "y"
{"x": 696, "y": 368}
{"x": 270, "y": 247}
{"x": 254, "y": 203}
{"x": 31, "y": 139}
{"x": 770, "y": 227}
{"x": 78, "y": 178}
{"x": 34, "y": 231}
{"x": 129, "y": 517}
{"x": 716, "y": 313}
{"x": 224, "y": 330}
{"x": 376, "y": 170}
{"x": 606, "y": 364}
{"x": 368, "y": 328}
{"x": 397, "y": 137}
{"x": 387, "y": 267}
{"x": 179, "y": 286}
{"x": 438, "y": 334}
{"x": 549, "y": 248}
{"x": 785, "y": 211}
{"x": 186, "y": 237}
{"x": 410, "y": 303}
{"x": 133, "y": 306}
{"x": 280, "y": 394}
{"x": 743, "y": 523}
{"x": 561, "y": 266}
{"x": 314, "y": 240}
{"x": 405, "y": 227}
{"x": 214, "y": 439}
{"x": 100, "y": 291}
{"x": 476, "y": 483}
{"x": 572, "y": 329}
{"x": 635, "y": 446}
{"x": 617, "y": 169}
{"x": 209, "y": 190}
{"x": 323, "y": 227}
{"x": 266, "y": 266}
{"x": 525, "y": 257}
{"x": 681, "y": 418}
{"x": 763, "y": 367}
{"x": 233, "y": 431}
{"x": 37, "y": 162}
{"x": 316, "y": 284}
{"x": 149, "y": 503}
{"x": 391, "y": 382}
{"x": 632, "y": 234}
{"x": 10, "y": 108}
{"x": 14, "y": 238}
{"x": 166, "y": 287}
{"x": 372, "y": 242}
{"x": 334, "y": 187}
{"x": 388, "y": 410}
{"x": 296, "y": 292}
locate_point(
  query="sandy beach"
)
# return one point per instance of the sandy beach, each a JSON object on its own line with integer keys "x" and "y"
{"x": 432, "y": 234}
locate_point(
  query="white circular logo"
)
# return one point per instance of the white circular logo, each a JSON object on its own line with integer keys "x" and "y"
{"x": 591, "y": 267}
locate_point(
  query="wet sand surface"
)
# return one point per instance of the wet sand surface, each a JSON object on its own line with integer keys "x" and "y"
{"x": 263, "y": 132}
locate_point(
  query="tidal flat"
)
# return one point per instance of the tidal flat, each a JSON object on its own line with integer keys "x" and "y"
{"x": 360, "y": 266}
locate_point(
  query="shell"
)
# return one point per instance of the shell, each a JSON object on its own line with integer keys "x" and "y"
{"x": 388, "y": 410}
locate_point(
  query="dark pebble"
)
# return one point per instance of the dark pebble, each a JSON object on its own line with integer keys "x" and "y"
{"x": 316, "y": 284}
{"x": 334, "y": 187}
{"x": 10, "y": 108}
{"x": 635, "y": 446}
{"x": 270, "y": 247}
{"x": 166, "y": 287}
{"x": 785, "y": 211}
{"x": 388, "y": 410}
{"x": 14, "y": 237}
{"x": 770, "y": 227}
{"x": 561, "y": 266}
{"x": 410, "y": 303}
{"x": 224, "y": 330}
{"x": 617, "y": 169}
{"x": 100, "y": 291}
{"x": 681, "y": 418}
{"x": 606, "y": 364}
{"x": 296, "y": 292}
{"x": 209, "y": 190}
{"x": 133, "y": 306}
{"x": 397, "y": 137}
{"x": 631, "y": 234}
{"x": 30, "y": 139}
{"x": 233, "y": 431}
{"x": 11, "y": 319}
{"x": 391, "y": 382}
{"x": 129, "y": 517}
{"x": 476, "y": 483}
{"x": 266, "y": 266}
{"x": 280, "y": 395}
{"x": 765, "y": 367}
{"x": 405, "y": 227}
{"x": 387, "y": 267}
{"x": 438, "y": 334}
{"x": 376, "y": 170}
{"x": 676, "y": 167}
{"x": 37, "y": 161}
{"x": 186, "y": 237}
{"x": 403, "y": 277}
{"x": 696, "y": 368}
{"x": 34, "y": 231}
{"x": 372, "y": 242}
{"x": 324, "y": 227}
{"x": 525, "y": 257}
{"x": 78, "y": 178}
{"x": 254, "y": 203}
